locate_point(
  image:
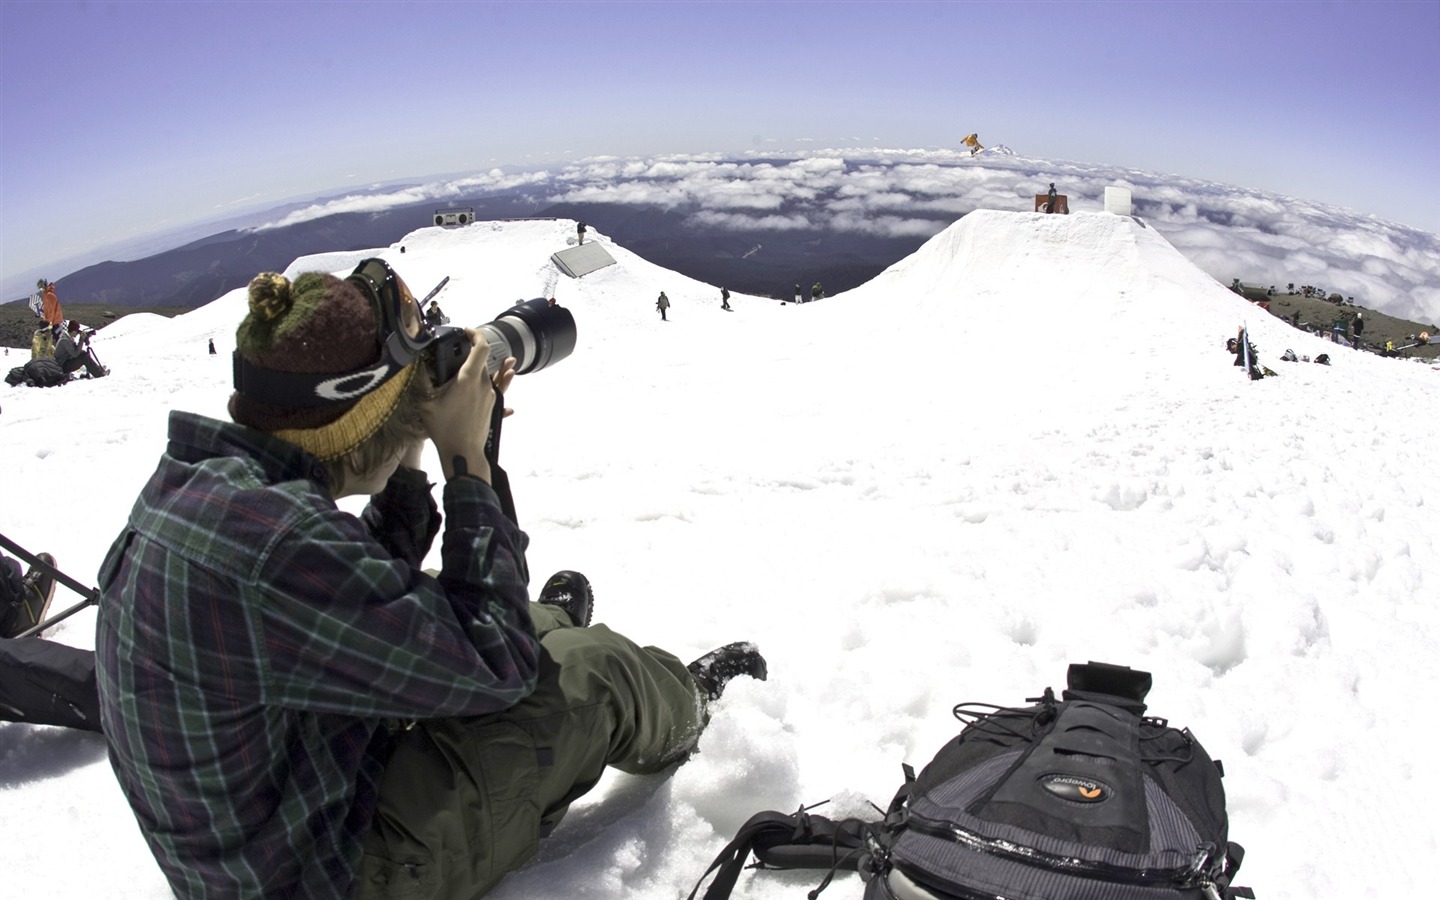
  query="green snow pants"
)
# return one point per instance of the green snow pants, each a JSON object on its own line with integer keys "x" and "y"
{"x": 463, "y": 801}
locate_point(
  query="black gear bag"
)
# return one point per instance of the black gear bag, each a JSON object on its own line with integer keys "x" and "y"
{"x": 1081, "y": 798}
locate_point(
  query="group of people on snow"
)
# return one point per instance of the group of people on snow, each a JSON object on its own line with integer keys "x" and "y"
{"x": 662, "y": 303}
{"x": 59, "y": 348}
{"x": 817, "y": 292}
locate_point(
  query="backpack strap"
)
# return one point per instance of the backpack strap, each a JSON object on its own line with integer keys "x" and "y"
{"x": 787, "y": 841}
{"x": 1234, "y": 855}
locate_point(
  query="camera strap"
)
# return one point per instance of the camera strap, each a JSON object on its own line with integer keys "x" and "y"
{"x": 499, "y": 480}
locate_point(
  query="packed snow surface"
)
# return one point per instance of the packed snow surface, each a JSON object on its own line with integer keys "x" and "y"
{"x": 1021, "y": 447}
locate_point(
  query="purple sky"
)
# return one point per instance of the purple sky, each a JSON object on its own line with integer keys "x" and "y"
{"x": 120, "y": 119}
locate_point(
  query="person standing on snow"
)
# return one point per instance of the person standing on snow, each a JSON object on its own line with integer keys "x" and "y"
{"x": 662, "y": 304}
{"x": 580, "y": 231}
{"x": 47, "y": 306}
{"x": 724, "y": 298}
{"x": 53, "y": 315}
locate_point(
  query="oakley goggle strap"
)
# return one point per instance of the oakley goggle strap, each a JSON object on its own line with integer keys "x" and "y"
{"x": 301, "y": 390}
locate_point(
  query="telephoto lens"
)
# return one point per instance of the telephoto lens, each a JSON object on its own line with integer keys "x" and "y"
{"x": 534, "y": 332}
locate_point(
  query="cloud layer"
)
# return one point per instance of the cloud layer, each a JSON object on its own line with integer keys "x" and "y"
{"x": 1229, "y": 232}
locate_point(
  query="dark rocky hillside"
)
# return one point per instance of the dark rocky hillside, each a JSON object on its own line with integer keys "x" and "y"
{"x": 767, "y": 263}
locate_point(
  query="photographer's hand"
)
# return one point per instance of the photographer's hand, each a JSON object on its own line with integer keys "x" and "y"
{"x": 458, "y": 420}
{"x": 503, "y": 379}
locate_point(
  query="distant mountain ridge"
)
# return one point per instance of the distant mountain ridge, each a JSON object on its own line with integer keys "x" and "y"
{"x": 762, "y": 225}
{"x": 758, "y": 262}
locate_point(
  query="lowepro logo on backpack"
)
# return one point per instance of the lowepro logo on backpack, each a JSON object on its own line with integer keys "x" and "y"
{"x": 1078, "y": 790}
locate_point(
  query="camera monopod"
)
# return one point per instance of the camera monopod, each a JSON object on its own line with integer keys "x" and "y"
{"x": 91, "y": 595}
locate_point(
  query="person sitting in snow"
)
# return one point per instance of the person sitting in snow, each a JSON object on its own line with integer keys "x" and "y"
{"x": 434, "y": 317}
{"x": 72, "y": 352}
{"x": 42, "y": 343}
{"x": 292, "y": 706}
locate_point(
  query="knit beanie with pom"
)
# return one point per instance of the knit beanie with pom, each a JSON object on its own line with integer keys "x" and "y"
{"x": 316, "y": 325}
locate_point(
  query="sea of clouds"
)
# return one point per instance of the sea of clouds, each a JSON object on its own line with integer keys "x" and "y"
{"x": 1227, "y": 231}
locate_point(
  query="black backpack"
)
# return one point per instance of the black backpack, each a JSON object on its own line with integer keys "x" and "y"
{"x": 42, "y": 372}
{"x": 1081, "y": 798}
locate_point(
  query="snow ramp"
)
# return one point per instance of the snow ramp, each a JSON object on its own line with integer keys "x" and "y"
{"x": 1077, "y": 273}
{"x": 1072, "y": 313}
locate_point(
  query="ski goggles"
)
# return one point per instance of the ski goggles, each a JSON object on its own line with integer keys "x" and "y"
{"x": 403, "y": 335}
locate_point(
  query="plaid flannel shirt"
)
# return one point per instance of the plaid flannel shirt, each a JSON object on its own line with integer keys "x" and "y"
{"x": 253, "y": 640}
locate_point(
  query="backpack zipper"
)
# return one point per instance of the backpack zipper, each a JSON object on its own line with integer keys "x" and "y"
{"x": 1195, "y": 875}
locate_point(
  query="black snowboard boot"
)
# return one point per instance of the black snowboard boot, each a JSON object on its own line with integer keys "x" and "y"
{"x": 571, "y": 592}
{"x": 29, "y": 609}
{"x": 715, "y": 669}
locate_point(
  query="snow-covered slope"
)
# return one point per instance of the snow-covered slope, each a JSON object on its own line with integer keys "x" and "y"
{"x": 1021, "y": 447}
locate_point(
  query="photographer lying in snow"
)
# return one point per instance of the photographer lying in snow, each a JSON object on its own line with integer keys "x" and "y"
{"x": 293, "y": 707}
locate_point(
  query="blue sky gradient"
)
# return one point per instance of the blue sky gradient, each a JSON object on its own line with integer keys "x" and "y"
{"x": 120, "y": 119}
